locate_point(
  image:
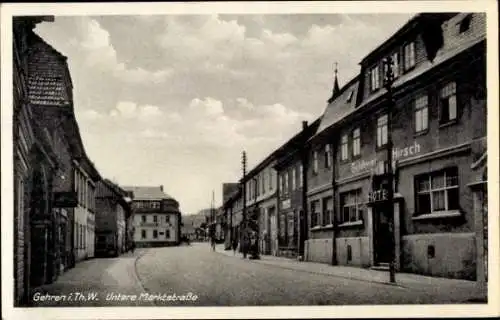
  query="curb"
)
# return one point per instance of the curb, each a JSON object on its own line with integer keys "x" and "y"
{"x": 262, "y": 262}
{"x": 138, "y": 278}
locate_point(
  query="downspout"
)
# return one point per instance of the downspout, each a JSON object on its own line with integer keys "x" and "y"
{"x": 334, "y": 199}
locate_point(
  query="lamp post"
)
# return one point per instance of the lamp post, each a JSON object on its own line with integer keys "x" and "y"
{"x": 388, "y": 81}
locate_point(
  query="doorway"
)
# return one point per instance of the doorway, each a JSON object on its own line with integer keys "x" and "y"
{"x": 382, "y": 235}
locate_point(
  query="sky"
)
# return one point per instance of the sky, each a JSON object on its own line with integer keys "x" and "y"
{"x": 173, "y": 100}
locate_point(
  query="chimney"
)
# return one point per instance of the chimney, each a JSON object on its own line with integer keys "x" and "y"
{"x": 304, "y": 125}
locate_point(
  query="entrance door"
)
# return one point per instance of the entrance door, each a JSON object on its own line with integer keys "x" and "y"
{"x": 382, "y": 236}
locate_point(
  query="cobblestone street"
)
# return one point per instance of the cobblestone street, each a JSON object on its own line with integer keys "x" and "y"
{"x": 196, "y": 275}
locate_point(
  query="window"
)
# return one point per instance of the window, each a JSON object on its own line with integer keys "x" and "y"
{"x": 143, "y": 217}
{"x": 143, "y": 234}
{"x": 294, "y": 179}
{"x": 281, "y": 185}
{"x": 344, "y": 149}
{"x": 409, "y": 52}
{"x": 349, "y": 97}
{"x": 155, "y": 205}
{"x": 350, "y": 203}
{"x": 285, "y": 189}
{"x": 315, "y": 213}
{"x": 382, "y": 131}
{"x": 328, "y": 158}
{"x": 155, "y": 234}
{"x": 356, "y": 142}
{"x": 327, "y": 210}
{"x": 167, "y": 219}
{"x": 421, "y": 113}
{"x": 437, "y": 191}
{"x": 167, "y": 233}
{"x": 155, "y": 219}
{"x": 301, "y": 175}
{"x": 465, "y": 23}
{"x": 263, "y": 177}
{"x": 270, "y": 180}
{"x": 374, "y": 78}
{"x": 448, "y": 103}
{"x": 315, "y": 162}
{"x": 395, "y": 67}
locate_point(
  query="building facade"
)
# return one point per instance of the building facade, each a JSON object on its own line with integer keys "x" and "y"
{"x": 112, "y": 213}
{"x": 261, "y": 204}
{"x": 46, "y": 141}
{"x": 438, "y": 134}
{"x": 292, "y": 187}
{"x": 156, "y": 217}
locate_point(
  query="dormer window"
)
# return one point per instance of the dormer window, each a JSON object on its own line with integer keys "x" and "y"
{"x": 374, "y": 78}
{"x": 349, "y": 97}
{"x": 464, "y": 25}
{"x": 409, "y": 56}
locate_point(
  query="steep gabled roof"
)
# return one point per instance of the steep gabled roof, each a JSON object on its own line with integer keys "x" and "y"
{"x": 341, "y": 106}
{"x": 48, "y": 82}
{"x": 147, "y": 192}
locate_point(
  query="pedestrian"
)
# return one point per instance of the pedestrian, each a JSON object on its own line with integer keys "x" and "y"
{"x": 235, "y": 245}
{"x": 245, "y": 243}
{"x": 212, "y": 240}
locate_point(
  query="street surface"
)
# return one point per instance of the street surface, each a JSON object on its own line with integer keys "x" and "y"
{"x": 197, "y": 276}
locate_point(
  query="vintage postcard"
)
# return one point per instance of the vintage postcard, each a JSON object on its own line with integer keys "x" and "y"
{"x": 249, "y": 160}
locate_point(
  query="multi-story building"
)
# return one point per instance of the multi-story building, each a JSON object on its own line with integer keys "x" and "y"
{"x": 47, "y": 141}
{"x": 112, "y": 212}
{"x": 438, "y": 133}
{"x": 261, "y": 203}
{"x": 292, "y": 186}
{"x": 156, "y": 217}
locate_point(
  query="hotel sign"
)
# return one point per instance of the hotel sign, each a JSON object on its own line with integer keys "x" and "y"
{"x": 363, "y": 165}
{"x": 378, "y": 195}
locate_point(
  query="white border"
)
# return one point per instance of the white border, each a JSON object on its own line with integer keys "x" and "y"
{"x": 9, "y": 10}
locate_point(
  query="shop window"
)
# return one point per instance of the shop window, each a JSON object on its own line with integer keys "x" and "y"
{"x": 437, "y": 191}
{"x": 448, "y": 103}
{"x": 350, "y": 203}
{"x": 421, "y": 113}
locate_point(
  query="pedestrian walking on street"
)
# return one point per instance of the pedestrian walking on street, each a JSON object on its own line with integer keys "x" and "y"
{"x": 212, "y": 240}
{"x": 245, "y": 243}
{"x": 235, "y": 245}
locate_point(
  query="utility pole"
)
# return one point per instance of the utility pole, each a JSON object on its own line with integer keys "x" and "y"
{"x": 388, "y": 81}
{"x": 244, "y": 166}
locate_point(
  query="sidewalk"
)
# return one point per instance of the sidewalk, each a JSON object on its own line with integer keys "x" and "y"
{"x": 456, "y": 290}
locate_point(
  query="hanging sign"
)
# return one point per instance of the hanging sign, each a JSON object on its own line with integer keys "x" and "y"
{"x": 378, "y": 195}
